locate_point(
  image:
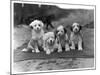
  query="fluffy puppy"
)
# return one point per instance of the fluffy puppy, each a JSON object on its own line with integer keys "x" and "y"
{"x": 62, "y": 38}
{"x": 37, "y": 35}
{"x": 76, "y": 37}
{"x": 49, "y": 42}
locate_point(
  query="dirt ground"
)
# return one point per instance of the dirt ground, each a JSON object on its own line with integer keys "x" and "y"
{"x": 53, "y": 64}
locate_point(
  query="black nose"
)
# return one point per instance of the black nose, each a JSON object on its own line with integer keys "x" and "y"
{"x": 38, "y": 28}
{"x": 51, "y": 41}
{"x": 59, "y": 34}
{"x": 76, "y": 29}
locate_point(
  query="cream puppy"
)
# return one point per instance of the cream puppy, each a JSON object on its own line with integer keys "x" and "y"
{"x": 62, "y": 38}
{"x": 37, "y": 36}
{"x": 49, "y": 43}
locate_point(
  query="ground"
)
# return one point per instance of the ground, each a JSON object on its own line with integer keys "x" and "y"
{"x": 53, "y": 64}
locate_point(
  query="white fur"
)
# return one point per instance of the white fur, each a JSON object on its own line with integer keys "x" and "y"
{"x": 37, "y": 36}
{"x": 49, "y": 36}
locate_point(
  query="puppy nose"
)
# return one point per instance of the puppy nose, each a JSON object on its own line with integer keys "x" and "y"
{"x": 59, "y": 34}
{"x": 76, "y": 29}
{"x": 37, "y": 28}
{"x": 50, "y": 41}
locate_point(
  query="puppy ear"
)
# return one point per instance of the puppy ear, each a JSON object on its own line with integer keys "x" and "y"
{"x": 31, "y": 25}
{"x": 65, "y": 30}
{"x": 80, "y": 27}
{"x": 55, "y": 33}
{"x": 71, "y": 28}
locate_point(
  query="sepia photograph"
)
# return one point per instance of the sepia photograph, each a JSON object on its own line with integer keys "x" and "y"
{"x": 51, "y": 37}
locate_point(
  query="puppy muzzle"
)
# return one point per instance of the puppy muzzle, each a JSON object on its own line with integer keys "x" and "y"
{"x": 51, "y": 42}
{"x": 38, "y": 29}
{"x": 59, "y": 34}
{"x": 76, "y": 30}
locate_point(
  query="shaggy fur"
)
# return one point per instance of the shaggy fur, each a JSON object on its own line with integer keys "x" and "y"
{"x": 76, "y": 37}
{"x": 62, "y": 38}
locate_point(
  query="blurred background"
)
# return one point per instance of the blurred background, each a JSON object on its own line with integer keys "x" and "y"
{"x": 24, "y": 13}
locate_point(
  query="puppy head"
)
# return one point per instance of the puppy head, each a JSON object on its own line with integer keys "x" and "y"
{"x": 51, "y": 41}
{"x": 37, "y": 25}
{"x": 75, "y": 27}
{"x": 60, "y": 31}
{"x": 50, "y": 38}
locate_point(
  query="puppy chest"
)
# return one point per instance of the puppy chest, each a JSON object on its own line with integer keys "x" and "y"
{"x": 37, "y": 36}
{"x": 76, "y": 38}
{"x": 62, "y": 41}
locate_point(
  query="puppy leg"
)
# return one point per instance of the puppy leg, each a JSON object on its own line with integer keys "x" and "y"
{"x": 44, "y": 45}
{"x": 29, "y": 46}
{"x": 48, "y": 51}
{"x": 67, "y": 47}
{"x": 80, "y": 46}
{"x": 72, "y": 45}
{"x": 35, "y": 49}
{"x": 59, "y": 48}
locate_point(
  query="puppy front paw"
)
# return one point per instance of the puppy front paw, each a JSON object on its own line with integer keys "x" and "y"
{"x": 59, "y": 50}
{"x": 33, "y": 50}
{"x": 67, "y": 49}
{"x": 73, "y": 48}
{"x": 48, "y": 52}
{"x": 80, "y": 49}
{"x": 37, "y": 51}
{"x": 24, "y": 50}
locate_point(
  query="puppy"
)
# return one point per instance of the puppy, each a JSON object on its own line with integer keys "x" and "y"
{"x": 49, "y": 42}
{"x": 37, "y": 36}
{"x": 76, "y": 37}
{"x": 62, "y": 38}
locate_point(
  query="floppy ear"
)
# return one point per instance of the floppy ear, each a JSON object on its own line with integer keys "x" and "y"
{"x": 80, "y": 27}
{"x": 65, "y": 30}
{"x": 71, "y": 28}
{"x": 31, "y": 25}
{"x": 55, "y": 33}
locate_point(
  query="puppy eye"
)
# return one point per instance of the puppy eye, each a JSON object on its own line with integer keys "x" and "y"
{"x": 39, "y": 25}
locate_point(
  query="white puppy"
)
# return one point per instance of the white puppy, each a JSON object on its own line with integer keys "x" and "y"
{"x": 62, "y": 38}
{"x": 49, "y": 42}
{"x": 76, "y": 37}
{"x": 37, "y": 35}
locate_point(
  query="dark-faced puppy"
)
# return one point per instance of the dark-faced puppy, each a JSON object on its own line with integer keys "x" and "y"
{"x": 76, "y": 37}
{"x": 62, "y": 38}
